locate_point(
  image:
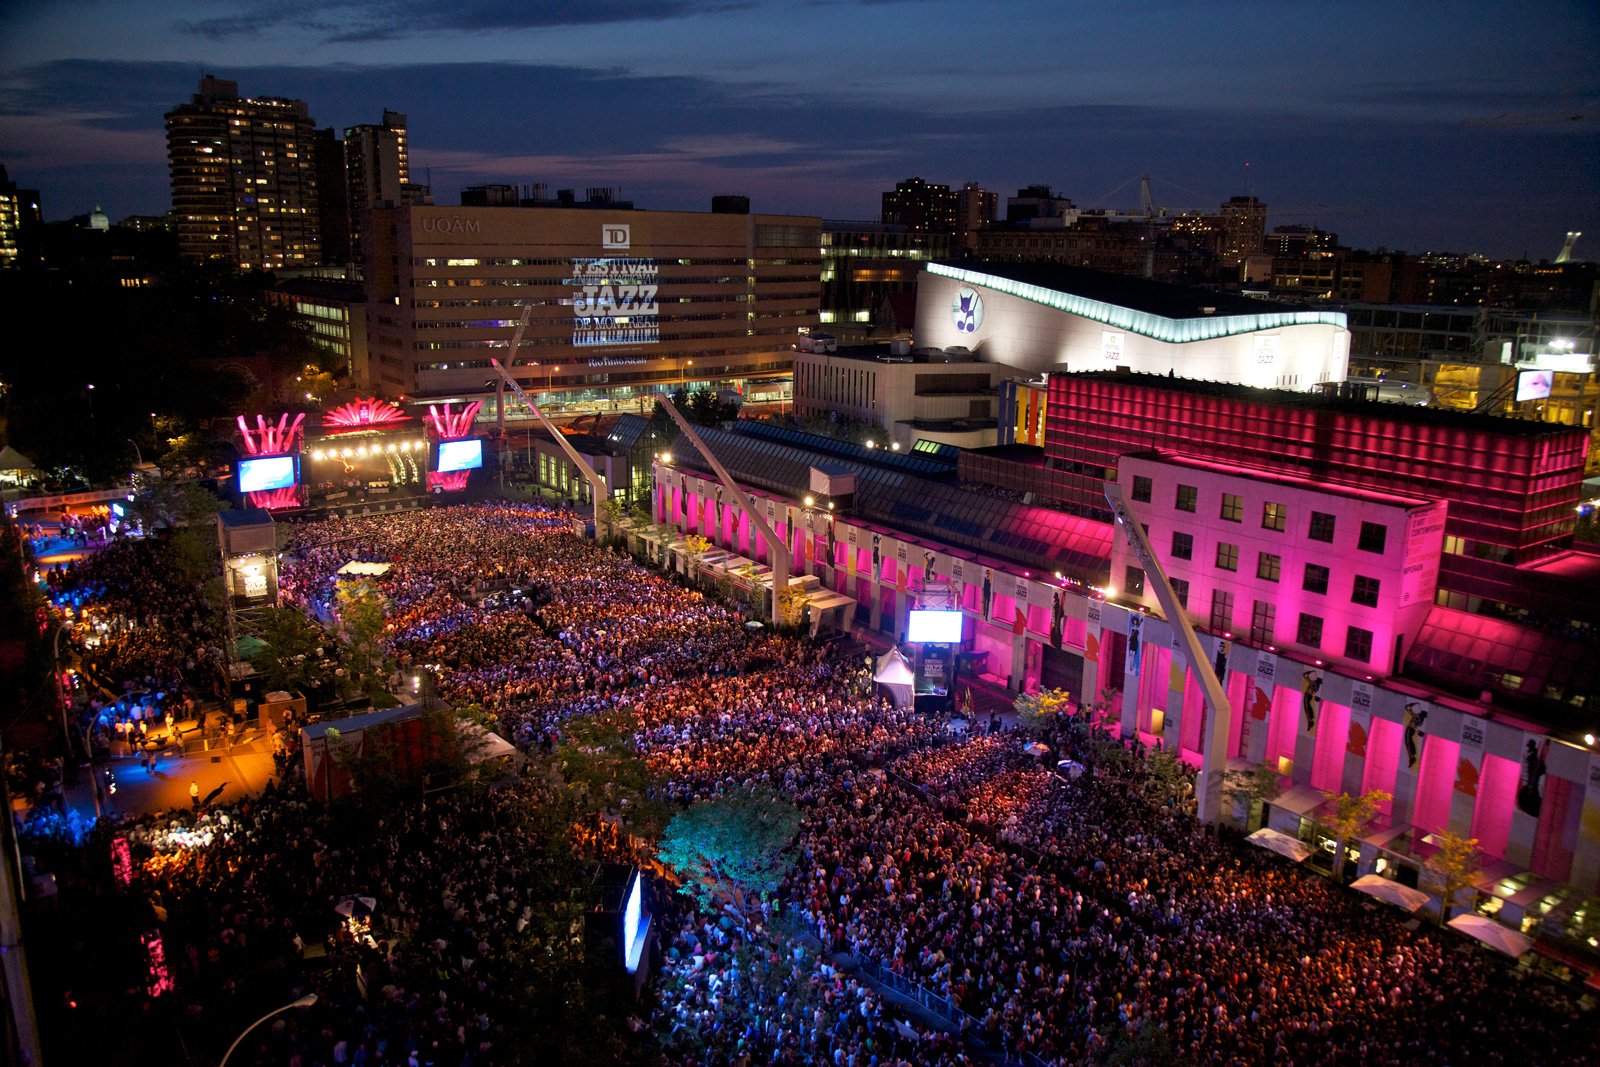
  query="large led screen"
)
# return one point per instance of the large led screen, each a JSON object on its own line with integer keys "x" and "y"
{"x": 935, "y": 627}
{"x": 463, "y": 455}
{"x": 262, "y": 473}
{"x": 633, "y": 925}
{"x": 1534, "y": 384}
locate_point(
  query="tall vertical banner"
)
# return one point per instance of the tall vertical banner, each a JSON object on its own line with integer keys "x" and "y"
{"x": 1413, "y": 738}
{"x": 1355, "y": 745}
{"x": 1135, "y": 645}
{"x": 902, "y": 566}
{"x": 1257, "y": 724}
{"x": 1586, "y": 856}
{"x": 1091, "y": 653}
{"x": 1172, "y": 729}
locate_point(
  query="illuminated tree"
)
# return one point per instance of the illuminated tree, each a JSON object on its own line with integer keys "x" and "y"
{"x": 791, "y": 605}
{"x": 733, "y": 851}
{"x": 612, "y": 511}
{"x": 1349, "y": 815}
{"x": 695, "y": 548}
{"x": 1454, "y": 863}
{"x": 1040, "y": 713}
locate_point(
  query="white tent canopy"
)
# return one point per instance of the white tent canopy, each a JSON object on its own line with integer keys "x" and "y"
{"x": 482, "y": 745}
{"x": 367, "y": 570}
{"x": 1494, "y": 935}
{"x": 1289, "y": 847}
{"x": 894, "y": 672}
{"x": 12, "y": 460}
{"x": 1390, "y": 891}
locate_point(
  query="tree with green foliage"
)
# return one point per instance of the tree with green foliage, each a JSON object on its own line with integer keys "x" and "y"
{"x": 293, "y": 649}
{"x": 706, "y": 408}
{"x": 1250, "y": 788}
{"x": 612, "y": 511}
{"x": 27, "y": 641}
{"x": 733, "y": 851}
{"x": 170, "y": 505}
{"x": 1349, "y": 815}
{"x": 1103, "y": 750}
{"x": 362, "y": 614}
{"x": 1452, "y": 866}
{"x": 695, "y": 547}
{"x": 1149, "y": 1046}
{"x": 1167, "y": 779}
{"x": 605, "y": 777}
{"x": 1042, "y": 712}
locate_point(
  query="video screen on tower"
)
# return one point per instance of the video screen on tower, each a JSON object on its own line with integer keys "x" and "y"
{"x": 260, "y": 474}
{"x": 460, "y": 455}
{"x": 1534, "y": 384}
{"x": 935, "y": 627}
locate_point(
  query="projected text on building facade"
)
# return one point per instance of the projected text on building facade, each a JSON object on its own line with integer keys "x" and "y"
{"x": 614, "y": 302}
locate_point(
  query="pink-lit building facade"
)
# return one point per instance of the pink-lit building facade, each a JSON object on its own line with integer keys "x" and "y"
{"x": 1345, "y": 576}
{"x": 1326, "y": 720}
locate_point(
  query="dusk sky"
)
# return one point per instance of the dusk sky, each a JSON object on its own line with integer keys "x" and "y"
{"x": 1465, "y": 126}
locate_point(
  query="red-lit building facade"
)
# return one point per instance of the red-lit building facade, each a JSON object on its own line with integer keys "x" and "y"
{"x": 1512, "y": 486}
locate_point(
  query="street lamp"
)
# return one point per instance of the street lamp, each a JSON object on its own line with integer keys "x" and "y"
{"x": 304, "y": 1002}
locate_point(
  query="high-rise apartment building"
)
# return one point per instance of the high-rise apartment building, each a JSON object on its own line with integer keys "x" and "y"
{"x": 19, "y": 219}
{"x": 244, "y": 182}
{"x": 975, "y": 210}
{"x": 333, "y": 206}
{"x": 921, "y": 207}
{"x": 377, "y": 170}
{"x": 1244, "y": 228}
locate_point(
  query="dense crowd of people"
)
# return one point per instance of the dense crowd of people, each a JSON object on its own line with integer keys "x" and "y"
{"x": 1060, "y": 919}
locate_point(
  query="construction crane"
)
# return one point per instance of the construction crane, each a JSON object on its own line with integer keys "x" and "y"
{"x": 1209, "y": 783}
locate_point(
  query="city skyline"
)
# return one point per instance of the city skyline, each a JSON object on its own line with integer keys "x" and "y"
{"x": 1391, "y": 128}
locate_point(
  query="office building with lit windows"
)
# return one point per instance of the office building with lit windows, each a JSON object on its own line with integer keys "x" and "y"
{"x": 623, "y": 304}
{"x": 865, "y": 266}
{"x": 244, "y": 179}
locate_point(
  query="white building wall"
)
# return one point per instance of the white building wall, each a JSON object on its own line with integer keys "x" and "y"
{"x": 1039, "y": 339}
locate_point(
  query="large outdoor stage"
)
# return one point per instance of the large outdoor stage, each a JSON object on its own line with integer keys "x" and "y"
{"x": 360, "y": 454}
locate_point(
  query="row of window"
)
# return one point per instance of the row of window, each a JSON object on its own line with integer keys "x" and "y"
{"x": 1374, "y": 536}
{"x": 566, "y": 342}
{"x": 1269, "y": 567}
{"x": 1264, "y": 621}
{"x": 513, "y": 302}
{"x": 522, "y": 261}
{"x": 567, "y": 282}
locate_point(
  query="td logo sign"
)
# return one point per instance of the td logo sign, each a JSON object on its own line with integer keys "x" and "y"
{"x": 615, "y": 235}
